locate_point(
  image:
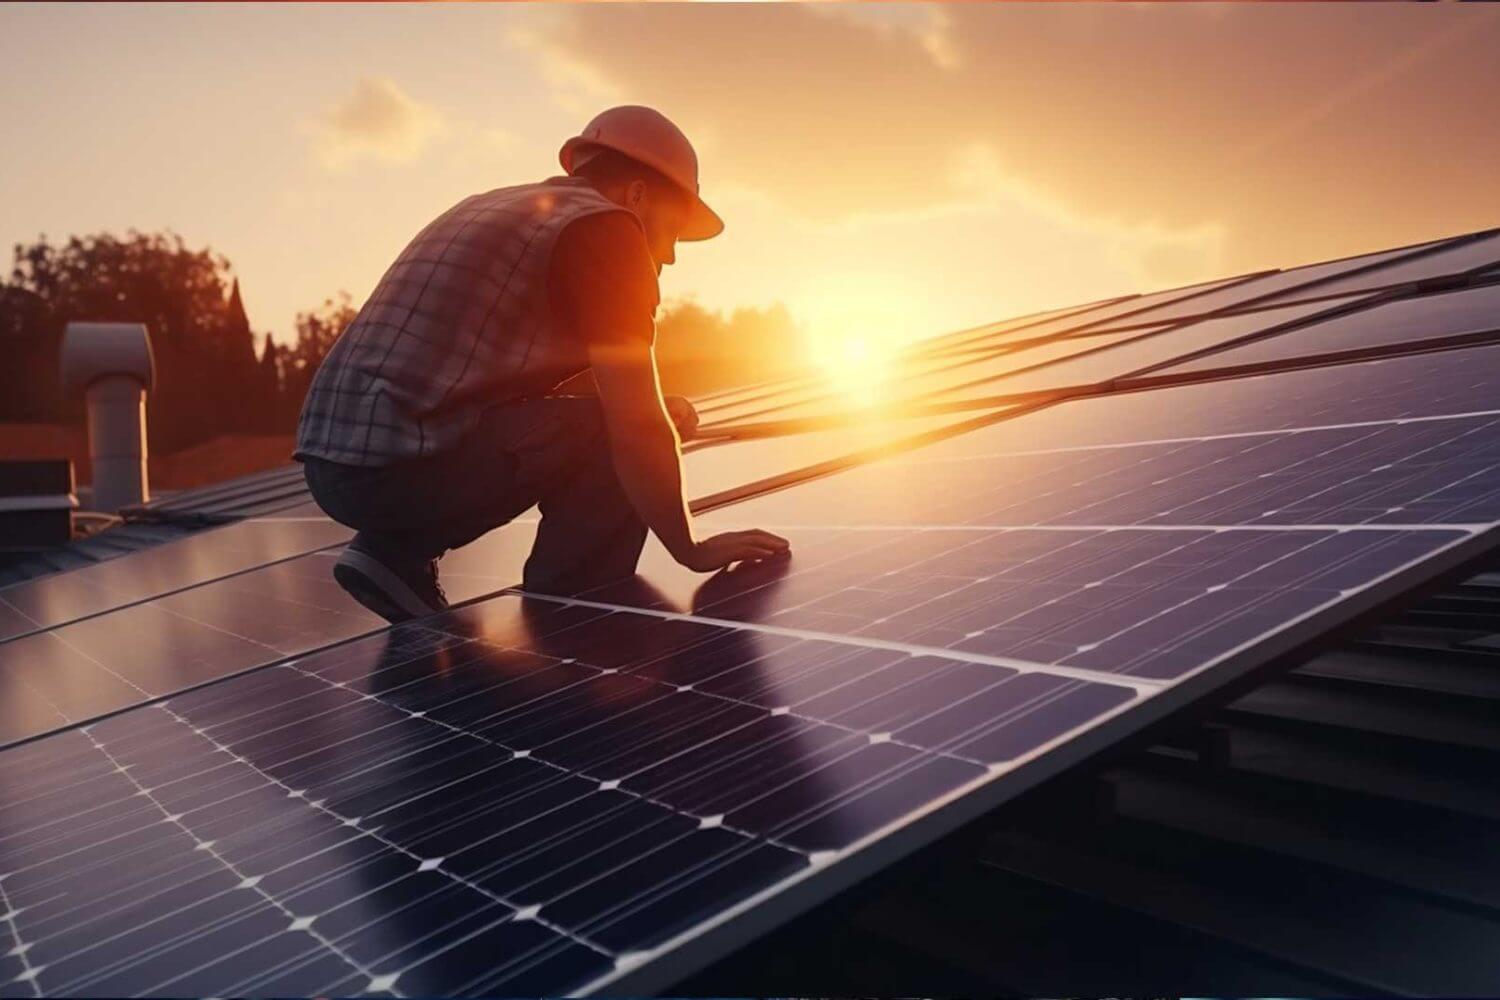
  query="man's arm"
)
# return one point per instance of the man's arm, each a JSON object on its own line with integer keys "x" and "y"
{"x": 644, "y": 446}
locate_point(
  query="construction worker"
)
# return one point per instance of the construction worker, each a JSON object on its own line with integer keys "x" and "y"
{"x": 441, "y": 412}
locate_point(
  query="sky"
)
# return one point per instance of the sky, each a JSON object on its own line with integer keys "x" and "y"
{"x": 896, "y": 170}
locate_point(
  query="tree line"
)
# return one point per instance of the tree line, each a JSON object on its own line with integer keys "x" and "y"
{"x": 217, "y": 376}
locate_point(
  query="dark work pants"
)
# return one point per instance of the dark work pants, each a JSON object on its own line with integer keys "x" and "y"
{"x": 551, "y": 452}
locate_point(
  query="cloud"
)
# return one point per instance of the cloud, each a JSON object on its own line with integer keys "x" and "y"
{"x": 376, "y": 121}
{"x": 1257, "y": 133}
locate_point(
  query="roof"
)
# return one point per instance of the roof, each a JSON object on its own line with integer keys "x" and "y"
{"x": 1054, "y": 537}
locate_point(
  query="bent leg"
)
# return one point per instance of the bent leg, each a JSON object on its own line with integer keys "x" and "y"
{"x": 552, "y": 451}
{"x": 590, "y": 533}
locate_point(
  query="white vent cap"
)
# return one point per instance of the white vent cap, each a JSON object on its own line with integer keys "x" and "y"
{"x": 91, "y": 351}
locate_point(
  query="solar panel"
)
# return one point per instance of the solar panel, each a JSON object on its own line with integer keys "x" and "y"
{"x": 1466, "y": 254}
{"x": 1019, "y": 328}
{"x": 599, "y": 793}
{"x": 1426, "y": 321}
{"x": 1413, "y": 387}
{"x": 946, "y": 373}
{"x": 309, "y": 830}
{"x": 824, "y": 394}
{"x": 1076, "y": 361}
{"x": 1100, "y": 358}
{"x": 718, "y": 470}
{"x": 1348, "y": 274}
{"x": 55, "y": 600}
{"x": 560, "y": 795}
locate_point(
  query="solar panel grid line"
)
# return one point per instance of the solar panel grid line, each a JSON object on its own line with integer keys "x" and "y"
{"x": 18, "y": 949}
{"x": 1440, "y": 527}
{"x": 356, "y": 824}
{"x": 246, "y": 882}
{"x": 1486, "y": 243}
{"x": 423, "y": 863}
{"x": 918, "y": 458}
{"x": 871, "y": 642}
{"x": 1284, "y": 472}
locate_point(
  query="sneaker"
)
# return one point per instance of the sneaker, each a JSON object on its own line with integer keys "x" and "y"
{"x": 395, "y": 590}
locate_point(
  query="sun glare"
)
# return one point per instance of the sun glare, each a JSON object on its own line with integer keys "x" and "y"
{"x": 857, "y": 330}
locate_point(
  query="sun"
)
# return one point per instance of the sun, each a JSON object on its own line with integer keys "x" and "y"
{"x": 857, "y": 329}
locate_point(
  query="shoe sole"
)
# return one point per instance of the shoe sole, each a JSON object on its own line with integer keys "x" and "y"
{"x": 378, "y": 589}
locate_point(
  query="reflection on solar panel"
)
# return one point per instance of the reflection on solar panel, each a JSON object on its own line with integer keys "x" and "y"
{"x": 239, "y": 597}
{"x": 1364, "y": 272}
{"x": 601, "y": 792}
{"x": 55, "y": 600}
{"x": 1106, "y": 357}
{"x": 1469, "y": 313}
{"x": 1456, "y": 257}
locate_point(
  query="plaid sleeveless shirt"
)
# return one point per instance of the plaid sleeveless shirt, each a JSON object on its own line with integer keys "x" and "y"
{"x": 460, "y": 322}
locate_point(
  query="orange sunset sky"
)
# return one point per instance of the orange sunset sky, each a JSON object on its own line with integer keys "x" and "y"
{"x": 901, "y": 169}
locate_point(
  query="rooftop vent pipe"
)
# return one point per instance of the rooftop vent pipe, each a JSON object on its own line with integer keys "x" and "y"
{"x": 111, "y": 363}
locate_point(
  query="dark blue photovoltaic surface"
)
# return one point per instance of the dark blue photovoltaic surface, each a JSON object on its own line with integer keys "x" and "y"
{"x": 1423, "y": 472}
{"x": 1156, "y": 604}
{"x": 207, "y": 555}
{"x": 460, "y": 808}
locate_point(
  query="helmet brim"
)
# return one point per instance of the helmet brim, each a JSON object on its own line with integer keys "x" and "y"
{"x": 703, "y": 223}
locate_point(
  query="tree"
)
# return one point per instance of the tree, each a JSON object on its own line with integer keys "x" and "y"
{"x": 699, "y": 350}
{"x": 204, "y": 354}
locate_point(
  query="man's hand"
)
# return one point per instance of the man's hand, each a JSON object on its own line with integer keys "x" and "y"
{"x": 684, "y": 417}
{"x": 715, "y": 553}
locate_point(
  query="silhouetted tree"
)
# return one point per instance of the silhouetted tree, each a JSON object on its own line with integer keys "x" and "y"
{"x": 204, "y": 352}
{"x": 699, "y": 350}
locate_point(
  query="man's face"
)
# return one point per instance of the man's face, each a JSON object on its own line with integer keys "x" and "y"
{"x": 662, "y": 216}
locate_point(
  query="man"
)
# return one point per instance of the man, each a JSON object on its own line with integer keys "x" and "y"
{"x": 437, "y": 414}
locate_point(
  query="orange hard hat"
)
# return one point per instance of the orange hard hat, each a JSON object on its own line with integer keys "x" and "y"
{"x": 647, "y": 136}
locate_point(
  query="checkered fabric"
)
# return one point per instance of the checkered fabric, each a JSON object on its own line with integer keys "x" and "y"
{"x": 458, "y": 323}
